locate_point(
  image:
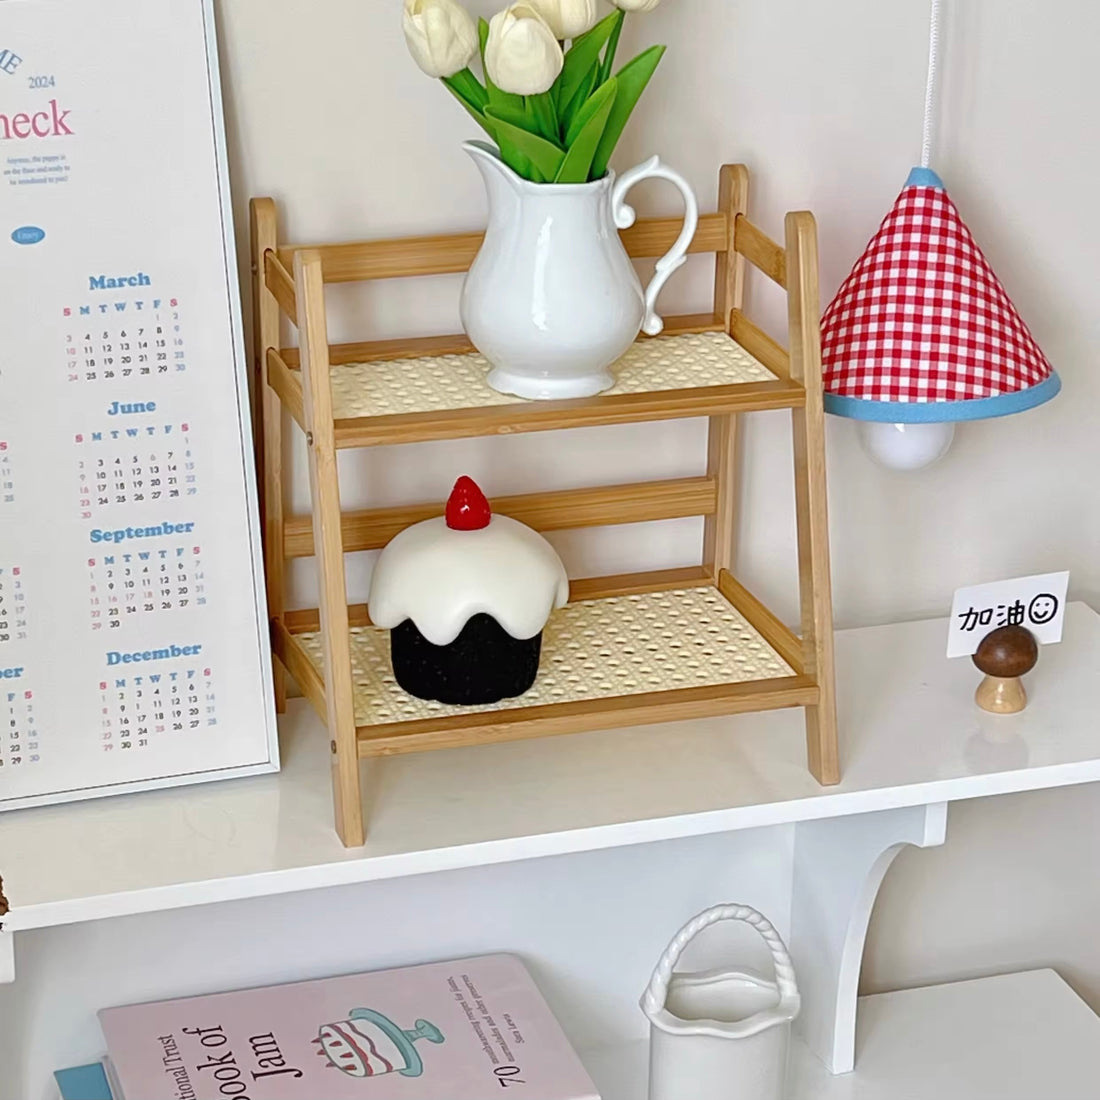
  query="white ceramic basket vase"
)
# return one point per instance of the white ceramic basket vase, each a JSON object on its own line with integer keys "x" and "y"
{"x": 721, "y": 1034}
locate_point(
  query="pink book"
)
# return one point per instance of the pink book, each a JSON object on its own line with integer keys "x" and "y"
{"x": 474, "y": 1029}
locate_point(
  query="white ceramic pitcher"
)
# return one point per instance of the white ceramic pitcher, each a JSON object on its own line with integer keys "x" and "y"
{"x": 552, "y": 299}
{"x": 721, "y": 1034}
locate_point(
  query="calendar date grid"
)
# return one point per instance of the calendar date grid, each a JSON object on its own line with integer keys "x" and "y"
{"x": 134, "y": 466}
{"x": 130, "y": 339}
{"x": 7, "y": 475}
{"x": 136, "y": 711}
{"x": 13, "y": 605}
{"x": 144, "y": 582}
{"x": 19, "y": 744}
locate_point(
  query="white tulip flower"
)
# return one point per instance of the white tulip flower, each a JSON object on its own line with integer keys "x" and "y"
{"x": 522, "y": 55}
{"x": 636, "y": 5}
{"x": 441, "y": 35}
{"x": 568, "y": 18}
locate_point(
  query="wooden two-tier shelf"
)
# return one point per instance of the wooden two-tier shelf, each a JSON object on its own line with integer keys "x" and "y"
{"x": 628, "y": 650}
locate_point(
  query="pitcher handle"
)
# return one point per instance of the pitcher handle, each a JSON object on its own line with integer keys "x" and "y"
{"x": 676, "y": 257}
{"x": 657, "y": 993}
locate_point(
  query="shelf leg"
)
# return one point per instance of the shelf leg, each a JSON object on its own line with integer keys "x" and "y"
{"x": 808, "y": 424}
{"x": 729, "y": 269}
{"x": 269, "y": 434}
{"x": 719, "y": 530}
{"x": 839, "y": 865}
{"x": 329, "y": 547}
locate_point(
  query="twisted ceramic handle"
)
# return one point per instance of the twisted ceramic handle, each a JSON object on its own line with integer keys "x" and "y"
{"x": 676, "y": 256}
{"x": 657, "y": 993}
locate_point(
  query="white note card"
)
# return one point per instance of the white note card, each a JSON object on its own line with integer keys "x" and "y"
{"x": 1036, "y": 603}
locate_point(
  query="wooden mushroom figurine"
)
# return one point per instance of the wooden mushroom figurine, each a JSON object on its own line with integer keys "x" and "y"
{"x": 1004, "y": 656}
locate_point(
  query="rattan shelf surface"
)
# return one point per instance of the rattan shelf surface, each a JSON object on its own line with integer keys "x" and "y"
{"x": 406, "y": 400}
{"x": 601, "y": 649}
{"x": 446, "y": 383}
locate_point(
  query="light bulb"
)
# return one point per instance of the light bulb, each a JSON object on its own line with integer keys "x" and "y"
{"x": 906, "y": 446}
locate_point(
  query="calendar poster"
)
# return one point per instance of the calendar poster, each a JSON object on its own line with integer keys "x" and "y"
{"x": 133, "y": 648}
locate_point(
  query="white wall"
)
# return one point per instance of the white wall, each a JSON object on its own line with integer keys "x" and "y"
{"x": 823, "y": 101}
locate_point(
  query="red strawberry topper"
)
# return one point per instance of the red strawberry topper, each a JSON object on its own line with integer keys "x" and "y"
{"x": 467, "y": 508}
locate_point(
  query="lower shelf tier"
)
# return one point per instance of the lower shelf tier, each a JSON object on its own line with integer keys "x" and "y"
{"x": 1012, "y": 1037}
{"x": 604, "y": 661}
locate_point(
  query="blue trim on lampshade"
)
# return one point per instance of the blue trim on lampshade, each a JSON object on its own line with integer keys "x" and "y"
{"x": 924, "y": 177}
{"x": 942, "y": 412}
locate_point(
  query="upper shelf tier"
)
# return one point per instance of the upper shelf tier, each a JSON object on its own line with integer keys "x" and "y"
{"x": 413, "y": 391}
{"x": 910, "y": 734}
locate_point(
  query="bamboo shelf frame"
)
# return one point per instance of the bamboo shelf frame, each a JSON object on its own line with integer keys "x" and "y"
{"x": 683, "y": 643}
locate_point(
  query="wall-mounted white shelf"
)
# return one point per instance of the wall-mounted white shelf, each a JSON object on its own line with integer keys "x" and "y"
{"x": 910, "y": 736}
{"x": 1013, "y": 1037}
{"x": 724, "y": 808}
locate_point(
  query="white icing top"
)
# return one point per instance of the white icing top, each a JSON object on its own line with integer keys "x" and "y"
{"x": 441, "y": 578}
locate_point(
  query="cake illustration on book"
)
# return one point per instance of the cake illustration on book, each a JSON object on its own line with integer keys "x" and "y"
{"x": 465, "y": 597}
{"x": 368, "y": 1044}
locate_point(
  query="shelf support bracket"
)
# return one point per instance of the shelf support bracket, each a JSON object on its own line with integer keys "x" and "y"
{"x": 839, "y": 865}
{"x": 7, "y": 957}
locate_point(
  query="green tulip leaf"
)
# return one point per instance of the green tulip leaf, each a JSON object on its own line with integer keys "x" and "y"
{"x": 632, "y": 81}
{"x": 583, "y": 57}
{"x": 468, "y": 88}
{"x": 471, "y": 107}
{"x": 584, "y": 139}
{"x": 510, "y": 113}
{"x": 546, "y": 157}
{"x": 465, "y": 95}
{"x": 486, "y": 124}
{"x": 515, "y": 116}
{"x": 459, "y": 91}
{"x": 604, "y": 96}
{"x": 608, "y": 63}
{"x": 542, "y": 117}
{"x": 580, "y": 99}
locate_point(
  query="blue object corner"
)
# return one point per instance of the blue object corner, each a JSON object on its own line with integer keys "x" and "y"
{"x": 924, "y": 177}
{"x": 83, "y": 1083}
{"x": 943, "y": 412}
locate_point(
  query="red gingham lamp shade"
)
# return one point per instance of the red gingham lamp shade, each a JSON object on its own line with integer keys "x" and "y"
{"x": 922, "y": 331}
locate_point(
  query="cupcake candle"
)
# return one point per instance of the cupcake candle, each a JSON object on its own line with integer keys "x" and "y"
{"x": 465, "y": 597}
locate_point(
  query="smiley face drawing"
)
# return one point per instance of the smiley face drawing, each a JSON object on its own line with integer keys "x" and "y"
{"x": 1042, "y": 609}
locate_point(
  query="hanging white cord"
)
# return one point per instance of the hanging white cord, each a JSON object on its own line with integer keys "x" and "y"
{"x": 930, "y": 96}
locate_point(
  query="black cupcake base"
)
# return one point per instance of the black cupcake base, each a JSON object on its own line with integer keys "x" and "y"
{"x": 483, "y": 665}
